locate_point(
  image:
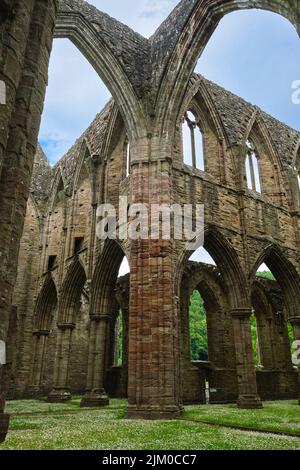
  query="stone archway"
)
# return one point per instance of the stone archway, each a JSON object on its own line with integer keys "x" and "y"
{"x": 68, "y": 309}
{"x": 288, "y": 278}
{"x": 192, "y": 24}
{"x": 89, "y": 29}
{"x": 45, "y": 312}
{"x": 102, "y": 306}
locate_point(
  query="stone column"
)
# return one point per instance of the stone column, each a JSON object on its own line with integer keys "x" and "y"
{"x": 95, "y": 391}
{"x": 40, "y": 348}
{"x": 246, "y": 374}
{"x": 153, "y": 367}
{"x": 296, "y": 327}
{"x": 25, "y": 45}
{"x": 61, "y": 391}
{"x": 116, "y": 343}
{"x": 125, "y": 319}
{"x": 4, "y": 418}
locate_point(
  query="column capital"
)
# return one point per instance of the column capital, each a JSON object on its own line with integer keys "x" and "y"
{"x": 65, "y": 326}
{"x": 295, "y": 321}
{"x": 96, "y": 317}
{"x": 241, "y": 313}
{"x": 41, "y": 333}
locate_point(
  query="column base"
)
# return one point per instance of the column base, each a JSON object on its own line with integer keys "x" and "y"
{"x": 153, "y": 412}
{"x": 94, "y": 399}
{"x": 4, "y": 422}
{"x": 59, "y": 395}
{"x": 249, "y": 402}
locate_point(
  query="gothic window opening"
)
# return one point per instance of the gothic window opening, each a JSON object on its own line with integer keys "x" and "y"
{"x": 198, "y": 328}
{"x": 255, "y": 340}
{"x": 118, "y": 343}
{"x": 193, "y": 148}
{"x": 78, "y": 244}
{"x": 51, "y": 262}
{"x": 252, "y": 168}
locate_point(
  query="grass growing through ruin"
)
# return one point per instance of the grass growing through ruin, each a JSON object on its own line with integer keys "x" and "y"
{"x": 40, "y": 425}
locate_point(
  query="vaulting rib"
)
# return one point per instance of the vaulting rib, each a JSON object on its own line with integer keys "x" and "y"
{"x": 179, "y": 34}
{"x": 130, "y": 49}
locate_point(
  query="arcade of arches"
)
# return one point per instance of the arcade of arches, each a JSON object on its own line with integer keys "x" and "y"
{"x": 63, "y": 308}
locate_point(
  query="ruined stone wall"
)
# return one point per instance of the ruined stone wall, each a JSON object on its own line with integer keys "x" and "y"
{"x": 243, "y": 228}
{"x": 248, "y": 221}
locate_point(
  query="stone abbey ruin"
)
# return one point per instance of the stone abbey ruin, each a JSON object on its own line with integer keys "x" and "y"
{"x": 61, "y": 300}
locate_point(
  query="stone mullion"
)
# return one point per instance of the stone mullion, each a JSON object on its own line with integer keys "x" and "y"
{"x": 95, "y": 391}
{"x": 193, "y": 145}
{"x": 296, "y": 329}
{"x": 61, "y": 390}
{"x": 246, "y": 374}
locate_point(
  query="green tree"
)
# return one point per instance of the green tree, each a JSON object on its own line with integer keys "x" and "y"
{"x": 198, "y": 328}
{"x": 266, "y": 275}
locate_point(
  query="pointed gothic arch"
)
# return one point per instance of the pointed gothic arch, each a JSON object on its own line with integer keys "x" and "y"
{"x": 45, "y": 305}
{"x": 265, "y": 167}
{"x": 71, "y": 292}
{"x": 285, "y": 274}
{"x": 192, "y": 32}
{"x": 74, "y": 23}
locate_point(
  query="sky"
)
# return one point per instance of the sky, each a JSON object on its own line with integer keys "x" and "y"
{"x": 252, "y": 53}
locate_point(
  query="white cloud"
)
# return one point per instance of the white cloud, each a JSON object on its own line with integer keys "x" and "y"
{"x": 75, "y": 94}
{"x": 124, "y": 268}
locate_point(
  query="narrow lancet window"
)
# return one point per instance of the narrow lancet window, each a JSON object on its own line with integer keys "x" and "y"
{"x": 252, "y": 168}
{"x": 193, "y": 142}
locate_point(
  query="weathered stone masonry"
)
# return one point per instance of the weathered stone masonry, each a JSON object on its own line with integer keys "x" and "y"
{"x": 65, "y": 294}
{"x": 60, "y": 283}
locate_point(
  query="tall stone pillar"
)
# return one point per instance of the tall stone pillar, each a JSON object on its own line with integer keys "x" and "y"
{"x": 153, "y": 368}
{"x": 4, "y": 418}
{"x": 95, "y": 391}
{"x": 246, "y": 374}
{"x": 41, "y": 337}
{"x": 125, "y": 317}
{"x": 25, "y": 45}
{"x": 296, "y": 328}
{"x": 61, "y": 391}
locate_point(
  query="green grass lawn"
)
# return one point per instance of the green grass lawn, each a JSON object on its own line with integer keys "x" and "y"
{"x": 280, "y": 416}
{"x": 40, "y": 425}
